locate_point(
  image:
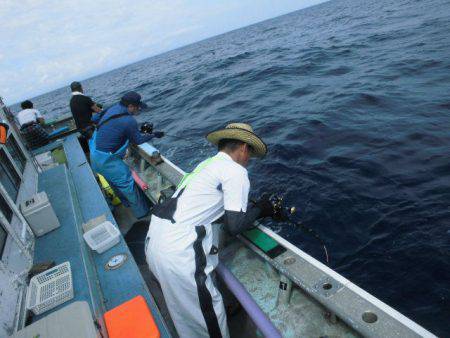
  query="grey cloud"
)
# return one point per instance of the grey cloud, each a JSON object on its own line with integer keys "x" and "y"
{"x": 46, "y": 43}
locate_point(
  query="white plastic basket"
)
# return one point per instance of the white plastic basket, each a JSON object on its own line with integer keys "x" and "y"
{"x": 103, "y": 237}
{"x": 50, "y": 288}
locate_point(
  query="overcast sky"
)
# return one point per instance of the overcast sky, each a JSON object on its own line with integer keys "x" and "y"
{"x": 45, "y": 44}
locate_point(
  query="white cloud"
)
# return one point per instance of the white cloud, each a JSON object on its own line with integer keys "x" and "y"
{"x": 48, "y": 43}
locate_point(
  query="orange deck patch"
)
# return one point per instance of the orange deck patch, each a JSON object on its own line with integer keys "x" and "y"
{"x": 131, "y": 319}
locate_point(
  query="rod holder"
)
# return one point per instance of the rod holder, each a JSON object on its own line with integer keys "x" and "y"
{"x": 284, "y": 291}
{"x": 142, "y": 165}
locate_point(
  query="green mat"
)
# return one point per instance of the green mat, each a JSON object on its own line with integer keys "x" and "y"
{"x": 264, "y": 242}
{"x": 261, "y": 240}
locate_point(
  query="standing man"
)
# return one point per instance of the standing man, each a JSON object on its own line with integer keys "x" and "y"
{"x": 115, "y": 130}
{"x": 82, "y": 108}
{"x": 182, "y": 241}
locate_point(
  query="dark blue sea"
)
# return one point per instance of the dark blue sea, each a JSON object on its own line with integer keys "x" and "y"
{"x": 353, "y": 100}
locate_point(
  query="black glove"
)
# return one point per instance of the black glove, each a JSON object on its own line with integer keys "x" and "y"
{"x": 146, "y": 128}
{"x": 265, "y": 206}
{"x": 158, "y": 134}
{"x": 281, "y": 215}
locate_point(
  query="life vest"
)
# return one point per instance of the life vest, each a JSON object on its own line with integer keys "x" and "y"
{"x": 3, "y": 132}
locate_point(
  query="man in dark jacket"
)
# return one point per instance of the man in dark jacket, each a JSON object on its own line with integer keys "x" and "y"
{"x": 82, "y": 108}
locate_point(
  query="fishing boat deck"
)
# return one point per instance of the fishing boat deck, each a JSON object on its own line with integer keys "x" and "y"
{"x": 62, "y": 244}
{"x": 103, "y": 289}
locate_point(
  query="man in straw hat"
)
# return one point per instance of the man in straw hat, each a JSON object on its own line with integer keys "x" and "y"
{"x": 181, "y": 244}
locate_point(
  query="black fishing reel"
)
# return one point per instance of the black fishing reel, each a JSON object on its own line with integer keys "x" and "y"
{"x": 147, "y": 128}
{"x": 280, "y": 211}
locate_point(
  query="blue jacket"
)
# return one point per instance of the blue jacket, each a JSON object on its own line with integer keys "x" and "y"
{"x": 114, "y": 133}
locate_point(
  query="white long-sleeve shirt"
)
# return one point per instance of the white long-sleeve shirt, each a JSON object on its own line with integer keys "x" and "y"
{"x": 27, "y": 116}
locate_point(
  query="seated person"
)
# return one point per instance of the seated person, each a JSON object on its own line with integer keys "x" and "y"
{"x": 29, "y": 115}
{"x": 30, "y": 121}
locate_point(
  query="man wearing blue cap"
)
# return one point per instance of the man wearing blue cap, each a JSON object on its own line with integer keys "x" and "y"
{"x": 115, "y": 130}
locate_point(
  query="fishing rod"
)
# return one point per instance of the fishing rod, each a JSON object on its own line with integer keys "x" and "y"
{"x": 313, "y": 233}
{"x": 282, "y": 213}
{"x": 182, "y": 138}
{"x": 147, "y": 128}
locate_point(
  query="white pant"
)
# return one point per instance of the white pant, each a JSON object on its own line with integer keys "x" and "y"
{"x": 180, "y": 258}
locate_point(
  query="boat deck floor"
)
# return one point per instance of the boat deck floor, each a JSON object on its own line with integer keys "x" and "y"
{"x": 125, "y": 218}
{"x": 55, "y": 245}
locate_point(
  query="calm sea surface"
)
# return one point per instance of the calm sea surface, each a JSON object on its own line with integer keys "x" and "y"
{"x": 353, "y": 99}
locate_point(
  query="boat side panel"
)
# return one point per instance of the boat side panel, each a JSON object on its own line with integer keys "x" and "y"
{"x": 14, "y": 264}
{"x": 12, "y": 255}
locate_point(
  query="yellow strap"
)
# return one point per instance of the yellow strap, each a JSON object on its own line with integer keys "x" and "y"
{"x": 188, "y": 177}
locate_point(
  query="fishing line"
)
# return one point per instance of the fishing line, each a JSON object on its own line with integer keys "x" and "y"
{"x": 183, "y": 138}
{"x": 283, "y": 214}
{"x": 313, "y": 233}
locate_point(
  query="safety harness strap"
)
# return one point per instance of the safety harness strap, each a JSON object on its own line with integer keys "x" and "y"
{"x": 188, "y": 177}
{"x": 111, "y": 118}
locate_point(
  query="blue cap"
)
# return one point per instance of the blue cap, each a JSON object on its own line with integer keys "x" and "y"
{"x": 134, "y": 99}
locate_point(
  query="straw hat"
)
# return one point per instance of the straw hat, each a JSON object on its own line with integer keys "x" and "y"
{"x": 242, "y": 132}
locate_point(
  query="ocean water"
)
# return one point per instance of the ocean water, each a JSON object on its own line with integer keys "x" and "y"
{"x": 353, "y": 100}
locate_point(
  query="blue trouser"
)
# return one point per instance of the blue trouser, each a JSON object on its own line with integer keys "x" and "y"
{"x": 118, "y": 174}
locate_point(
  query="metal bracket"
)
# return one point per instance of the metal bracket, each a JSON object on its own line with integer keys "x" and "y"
{"x": 327, "y": 286}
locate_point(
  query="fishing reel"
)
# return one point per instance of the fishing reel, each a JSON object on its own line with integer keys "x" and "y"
{"x": 280, "y": 211}
{"x": 146, "y": 128}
